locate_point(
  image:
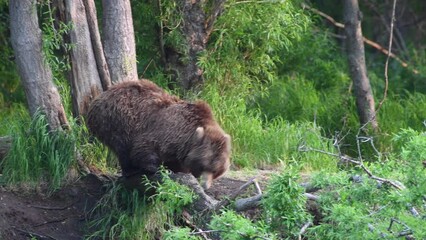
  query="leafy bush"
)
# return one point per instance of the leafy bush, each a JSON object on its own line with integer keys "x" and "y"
{"x": 179, "y": 233}
{"x": 284, "y": 204}
{"x": 358, "y": 207}
{"x": 413, "y": 155}
{"x": 233, "y": 226}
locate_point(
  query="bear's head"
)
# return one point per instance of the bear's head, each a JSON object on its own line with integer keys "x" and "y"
{"x": 209, "y": 156}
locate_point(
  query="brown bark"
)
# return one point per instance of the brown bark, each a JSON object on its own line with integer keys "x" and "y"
{"x": 357, "y": 66}
{"x": 97, "y": 44}
{"x": 84, "y": 76}
{"x": 33, "y": 69}
{"x": 196, "y": 27}
{"x": 119, "y": 40}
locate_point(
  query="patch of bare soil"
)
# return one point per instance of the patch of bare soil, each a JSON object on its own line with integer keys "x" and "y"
{"x": 63, "y": 215}
{"x": 59, "y": 216}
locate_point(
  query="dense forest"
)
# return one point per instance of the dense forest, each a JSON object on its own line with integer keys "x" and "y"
{"x": 325, "y": 102}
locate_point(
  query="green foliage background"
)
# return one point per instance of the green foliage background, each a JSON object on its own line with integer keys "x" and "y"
{"x": 278, "y": 83}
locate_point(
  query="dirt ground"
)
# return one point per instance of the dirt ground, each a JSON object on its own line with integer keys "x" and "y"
{"x": 63, "y": 214}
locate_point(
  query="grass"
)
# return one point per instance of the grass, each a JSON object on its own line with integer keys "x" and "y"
{"x": 37, "y": 155}
{"x": 127, "y": 214}
{"x": 258, "y": 142}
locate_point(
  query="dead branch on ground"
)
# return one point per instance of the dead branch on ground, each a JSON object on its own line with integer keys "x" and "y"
{"x": 348, "y": 159}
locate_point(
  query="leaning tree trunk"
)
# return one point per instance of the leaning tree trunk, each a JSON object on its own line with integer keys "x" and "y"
{"x": 357, "y": 66}
{"x": 34, "y": 71}
{"x": 197, "y": 24}
{"x": 119, "y": 40}
{"x": 84, "y": 75}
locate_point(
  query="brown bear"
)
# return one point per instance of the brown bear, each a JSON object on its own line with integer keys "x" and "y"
{"x": 146, "y": 128}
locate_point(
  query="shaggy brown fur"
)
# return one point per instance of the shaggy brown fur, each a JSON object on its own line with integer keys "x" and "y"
{"x": 147, "y": 127}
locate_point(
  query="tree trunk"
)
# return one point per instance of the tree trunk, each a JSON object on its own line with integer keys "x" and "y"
{"x": 84, "y": 76}
{"x": 34, "y": 71}
{"x": 119, "y": 40}
{"x": 97, "y": 44}
{"x": 196, "y": 26}
{"x": 357, "y": 66}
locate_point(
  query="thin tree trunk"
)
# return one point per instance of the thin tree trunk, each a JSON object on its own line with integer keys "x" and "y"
{"x": 34, "y": 71}
{"x": 357, "y": 66}
{"x": 97, "y": 44}
{"x": 84, "y": 75}
{"x": 119, "y": 40}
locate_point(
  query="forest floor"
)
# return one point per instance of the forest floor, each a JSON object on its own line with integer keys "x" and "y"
{"x": 63, "y": 214}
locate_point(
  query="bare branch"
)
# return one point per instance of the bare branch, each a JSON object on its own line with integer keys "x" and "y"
{"x": 303, "y": 229}
{"x": 407, "y": 230}
{"x": 248, "y": 203}
{"x": 385, "y": 91}
{"x": 256, "y": 184}
{"x": 188, "y": 220}
{"x": 366, "y": 40}
{"x": 345, "y": 158}
{"x": 228, "y": 200}
{"x": 311, "y": 196}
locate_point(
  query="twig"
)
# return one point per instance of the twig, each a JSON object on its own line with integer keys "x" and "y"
{"x": 188, "y": 220}
{"x": 348, "y": 159}
{"x": 258, "y": 189}
{"x": 147, "y": 66}
{"x": 400, "y": 45}
{"x": 405, "y": 232}
{"x": 205, "y": 231}
{"x": 53, "y": 208}
{"x": 366, "y": 40}
{"x": 51, "y": 221}
{"x": 228, "y": 200}
{"x": 311, "y": 196}
{"x": 33, "y": 234}
{"x": 385, "y": 91}
{"x": 303, "y": 229}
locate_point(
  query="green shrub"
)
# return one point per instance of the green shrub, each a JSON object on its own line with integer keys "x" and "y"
{"x": 343, "y": 222}
{"x": 284, "y": 204}
{"x": 413, "y": 155}
{"x": 234, "y": 227}
{"x": 179, "y": 233}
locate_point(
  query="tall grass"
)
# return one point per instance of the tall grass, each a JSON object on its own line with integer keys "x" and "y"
{"x": 127, "y": 214}
{"x": 258, "y": 142}
{"x": 38, "y": 155}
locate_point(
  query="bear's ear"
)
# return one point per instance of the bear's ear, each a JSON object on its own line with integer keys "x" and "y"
{"x": 199, "y": 133}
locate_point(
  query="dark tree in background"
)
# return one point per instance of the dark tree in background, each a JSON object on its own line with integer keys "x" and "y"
{"x": 35, "y": 73}
{"x": 356, "y": 61}
{"x": 196, "y": 27}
